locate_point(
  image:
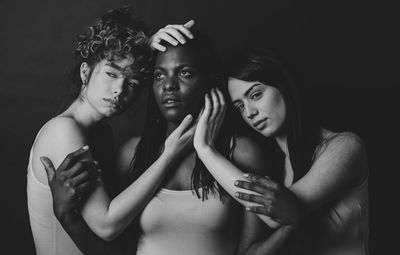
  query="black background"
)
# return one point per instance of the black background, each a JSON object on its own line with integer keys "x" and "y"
{"x": 345, "y": 51}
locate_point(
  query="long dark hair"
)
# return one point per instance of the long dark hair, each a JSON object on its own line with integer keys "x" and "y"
{"x": 302, "y": 130}
{"x": 151, "y": 143}
{"x": 116, "y": 34}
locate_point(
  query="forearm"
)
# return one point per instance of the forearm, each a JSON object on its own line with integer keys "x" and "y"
{"x": 129, "y": 203}
{"x": 226, "y": 173}
{"x": 85, "y": 239}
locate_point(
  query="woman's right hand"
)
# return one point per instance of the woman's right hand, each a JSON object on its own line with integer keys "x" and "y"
{"x": 181, "y": 139}
{"x": 173, "y": 34}
{"x": 72, "y": 182}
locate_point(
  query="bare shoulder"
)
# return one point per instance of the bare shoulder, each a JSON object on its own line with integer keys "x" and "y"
{"x": 250, "y": 156}
{"x": 345, "y": 150}
{"x": 57, "y": 138}
{"x": 341, "y": 143}
{"x": 125, "y": 154}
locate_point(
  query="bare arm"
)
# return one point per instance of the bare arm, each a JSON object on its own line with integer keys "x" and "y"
{"x": 108, "y": 218}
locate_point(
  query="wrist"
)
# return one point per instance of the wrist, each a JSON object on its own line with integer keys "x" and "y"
{"x": 204, "y": 151}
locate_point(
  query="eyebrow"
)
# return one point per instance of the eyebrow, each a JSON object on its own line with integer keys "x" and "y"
{"x": 247, "y": 92}
{"x": 113, "y": 65}
{"x": 176, "y": 67}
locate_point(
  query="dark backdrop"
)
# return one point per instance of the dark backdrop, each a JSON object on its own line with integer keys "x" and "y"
{"x": 344, "y": 50}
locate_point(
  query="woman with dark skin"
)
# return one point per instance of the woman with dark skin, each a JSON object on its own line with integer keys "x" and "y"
{"x": 182, "y": 75}
{"x": 113, "y": 59}
{"x": 323, "y": 189}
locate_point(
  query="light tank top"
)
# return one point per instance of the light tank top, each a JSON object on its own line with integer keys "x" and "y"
{"x": 48, "y": 234}
{"x": 179, "y": 223}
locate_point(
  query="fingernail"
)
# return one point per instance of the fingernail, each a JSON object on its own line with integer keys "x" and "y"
{"x": 85, "y": 148}
{"x": 246, "y": 175}
{"x": 190, "y": 117}
{"x": 237, "y": 194}
{"x": 236, "y": 183}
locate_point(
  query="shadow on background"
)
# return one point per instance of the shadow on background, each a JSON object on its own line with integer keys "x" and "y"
{"x": 346, "y": 54}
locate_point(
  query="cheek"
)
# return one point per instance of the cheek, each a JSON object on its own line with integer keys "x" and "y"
{"x": 277, "y": 108}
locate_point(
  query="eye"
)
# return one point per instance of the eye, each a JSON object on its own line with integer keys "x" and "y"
{"x": 133, "y": 83}
{"x": 255, "y": 95}
{"x": 158, "y": 75}
{"x": 239, "y": 107}
{"x": 185, "y": 73}
{"x": 113, "y": 75}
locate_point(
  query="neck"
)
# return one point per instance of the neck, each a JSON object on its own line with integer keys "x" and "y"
{"x": 84, "y": 113}
{"x": 281, "y": 140}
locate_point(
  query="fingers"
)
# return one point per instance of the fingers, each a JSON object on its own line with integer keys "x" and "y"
{"x": 49, "y": 167}
{"x": 158, "y": 46}
{"x": 79, "y": 167}
{"x": 184, "y": 124}
{"x": 72, "y": 157}
{"x": 256, "y": 187}
{"x": 166, "y": 35}
{"x": 189, "y": 24}
{"x": 207, "y": 107}
{"x": 263, "y": 180}
{"x": 258, "y": 209}
{"x": 175, "y": 31}
{"x": 86, "y": 176}
{"x": 216, "y": 106}
{"x": 83, "y": 190}
{"x": 251, "y": 198}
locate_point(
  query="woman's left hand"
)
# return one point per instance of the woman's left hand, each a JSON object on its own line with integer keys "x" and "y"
{"x": 275, "y": 200}
{"x": 210, "y": 120}
{"x": 172, "y": 34}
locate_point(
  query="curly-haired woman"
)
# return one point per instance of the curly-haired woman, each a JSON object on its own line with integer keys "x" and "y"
{"x": 112, "y": 60}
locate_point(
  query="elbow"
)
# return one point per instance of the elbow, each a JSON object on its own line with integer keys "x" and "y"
{"x": 107, "y": 233}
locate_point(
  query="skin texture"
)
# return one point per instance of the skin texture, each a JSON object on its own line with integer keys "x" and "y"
{"x": 177, "y": 77}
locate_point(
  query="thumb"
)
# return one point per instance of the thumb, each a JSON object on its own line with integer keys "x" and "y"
{"x": 48, "y": 165}
{"x": 189, "y": 24}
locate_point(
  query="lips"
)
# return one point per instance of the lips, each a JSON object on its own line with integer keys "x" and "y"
{"x": 259, "y": 124}
{"x": 171, "y": 100}
{"x": 114, "y": 102}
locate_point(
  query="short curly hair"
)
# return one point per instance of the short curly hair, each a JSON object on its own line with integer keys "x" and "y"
{"x": 116, "y": 34}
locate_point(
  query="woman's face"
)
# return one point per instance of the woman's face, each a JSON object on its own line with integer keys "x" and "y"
{"x": 261, "y": 106}
{"x": 111, "y": 86}
{"x": 179, "y": 83}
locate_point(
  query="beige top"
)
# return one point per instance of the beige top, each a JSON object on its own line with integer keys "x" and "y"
{"x": 48, "y": 234}
{"x": 179, "y": 223}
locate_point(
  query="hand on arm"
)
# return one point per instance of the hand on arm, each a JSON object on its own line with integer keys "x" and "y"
{"x": 172, "y": 34}
{"x": 108, "y": 218}
{"x": 70, "y": 185}
{"x": 274, "y": 200}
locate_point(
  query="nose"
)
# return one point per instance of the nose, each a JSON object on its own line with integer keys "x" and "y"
{"x": 118, "y": 87}
{"x": 250, "y": 111}
{"x": 171, "y": 84}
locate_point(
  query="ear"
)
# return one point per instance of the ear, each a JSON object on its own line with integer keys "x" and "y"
{"x": 85, "y": 73}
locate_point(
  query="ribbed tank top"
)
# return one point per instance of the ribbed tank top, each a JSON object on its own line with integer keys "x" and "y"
{"x": 48, "y": 234}
{"x": 179, "y": 223}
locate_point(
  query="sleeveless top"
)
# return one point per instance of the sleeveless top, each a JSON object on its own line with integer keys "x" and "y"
{"x": 179, "y": 223}
{"x": 49, "y": 236}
